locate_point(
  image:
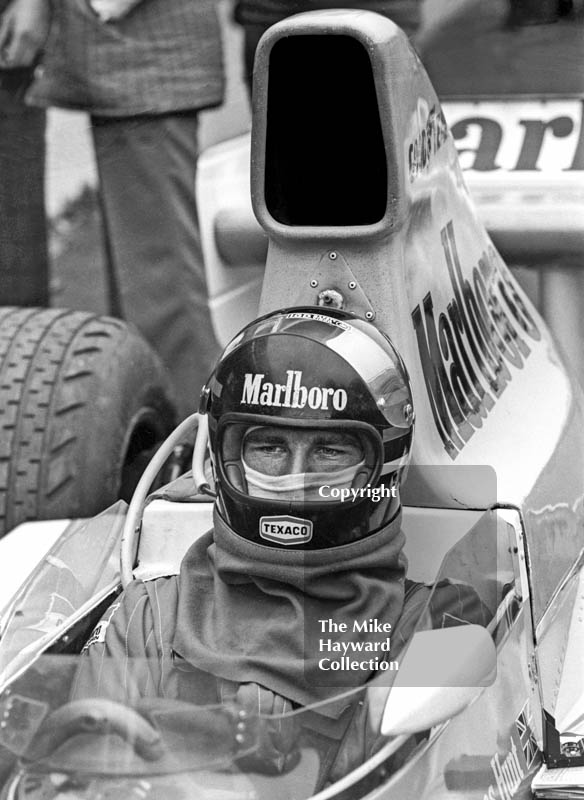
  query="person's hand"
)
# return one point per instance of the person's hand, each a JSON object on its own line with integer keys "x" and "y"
{"x": 276, "y": 750}
{"x": 111, "y": 10}
{"x": 24, "y": 28}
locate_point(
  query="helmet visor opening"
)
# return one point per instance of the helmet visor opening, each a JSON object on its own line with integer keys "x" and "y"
{"x": 289, "y": 461}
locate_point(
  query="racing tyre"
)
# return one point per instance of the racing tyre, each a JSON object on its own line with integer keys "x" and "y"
{"x": 83, "y": 405}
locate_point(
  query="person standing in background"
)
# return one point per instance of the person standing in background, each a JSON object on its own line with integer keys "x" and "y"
{"x": 256, "y": 16}
{"x": 142, "y": 70}
{"x": 24, "y": 267}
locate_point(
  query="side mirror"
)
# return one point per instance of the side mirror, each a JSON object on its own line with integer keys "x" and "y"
{"x": 438, "y": 676}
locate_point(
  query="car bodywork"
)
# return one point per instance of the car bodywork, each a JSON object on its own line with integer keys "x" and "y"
{"x": 357, "y": 185}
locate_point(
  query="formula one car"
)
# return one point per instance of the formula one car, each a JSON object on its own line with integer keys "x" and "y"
{"x": 511, "y": 92}
{"x": 357, "y": 185}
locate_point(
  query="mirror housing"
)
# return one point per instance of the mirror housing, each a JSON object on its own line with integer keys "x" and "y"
{"x": 439, "y": 675}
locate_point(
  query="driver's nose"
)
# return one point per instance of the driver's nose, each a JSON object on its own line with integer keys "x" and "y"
{"x": 298, "y": 459}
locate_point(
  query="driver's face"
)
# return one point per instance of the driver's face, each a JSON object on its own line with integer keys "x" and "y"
{"x": 285, "y": 451}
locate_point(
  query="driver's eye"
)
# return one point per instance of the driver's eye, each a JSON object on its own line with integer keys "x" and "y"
{"x": 272, "y": 448}
{"x": 330, "y": 452}
{"x": 269, "y": 448}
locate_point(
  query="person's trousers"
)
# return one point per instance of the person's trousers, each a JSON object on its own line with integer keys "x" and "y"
{"x": 147, "y": 168}
{"x": 24, "y": 267}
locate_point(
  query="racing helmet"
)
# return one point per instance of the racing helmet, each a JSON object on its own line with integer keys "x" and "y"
{"x": 310, "y": 422}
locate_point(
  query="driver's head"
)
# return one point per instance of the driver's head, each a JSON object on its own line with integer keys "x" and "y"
{"x": 310, "y": 425}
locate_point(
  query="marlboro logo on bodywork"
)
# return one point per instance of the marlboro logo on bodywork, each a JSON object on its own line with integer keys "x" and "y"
{"x": 470, "y": 350}
{"x": 286, "y": 530}
{"x": 292, "y": 394}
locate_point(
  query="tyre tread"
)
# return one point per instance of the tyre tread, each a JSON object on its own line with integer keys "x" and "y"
{"x": 53, "y": 365}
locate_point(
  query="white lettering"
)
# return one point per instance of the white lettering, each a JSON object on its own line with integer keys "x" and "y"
{"x": 251, "y": 389}
{"x": 292, "y": 394}
{"x": 355, "y": 647}
{"x": 373, "y": 493}
{"x": 278, "y": 391}
{"x": 285, "y": 530}
{"x": 320, "y": 318}
{"x": 315, "y": 398}
{"x": 288, "y": 392}
{"x": 267, "y": 395}
{"x": 345, "y": 663}
{"x": 339, "y": 399}
{"x": 508, "y": 773}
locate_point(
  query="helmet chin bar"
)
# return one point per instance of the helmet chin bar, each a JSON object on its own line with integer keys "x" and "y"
{"x": 333, "y": 525}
